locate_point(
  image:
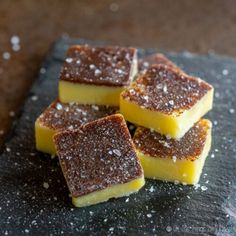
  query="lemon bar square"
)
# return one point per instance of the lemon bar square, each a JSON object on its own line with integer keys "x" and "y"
{"x": 173, "y": 160}
{"x": 166, "y": 100}
{"x": 61, "y": 116}
{"x": 99, "y": 161}
{"x": 96, "y": 75}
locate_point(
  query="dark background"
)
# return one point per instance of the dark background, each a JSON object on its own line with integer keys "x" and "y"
{"x": 198, "y": 26}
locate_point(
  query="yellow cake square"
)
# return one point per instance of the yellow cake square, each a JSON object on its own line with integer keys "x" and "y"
{"x": 166, "y": 100}
{"x": 173, "y": 160}
{"x": 99, "y": 161}
{"x": 62, "y": 116}
{"x": 96, "y": 75}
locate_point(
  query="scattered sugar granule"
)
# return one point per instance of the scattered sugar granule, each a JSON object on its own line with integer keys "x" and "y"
{"x": 149, "y": 215}
{"x": 151, "y": 190}
{"x": 34, "y": 98}
{"x": 6, "y": 55}
{"x": 231, "y": 111}
{"x": 204, "y": 188}
{"x": 97, "y": 72}
{"x": 225, "y": 72}
{"x": 59, "y": 106}
{"x": 16, "y": 47}
{"x": 114, "y": 7}
{"x": 11, "y": 113}
{"x": 69, "y": 60}
{"x": 94, "y": 107}
{"x": 168, "y": 229}
{"x": 117, "y": 152}
{"x": 45, "y": 185}
{"x": 174, "y": 158}
{"x": 42, "y": 70}
{"x": 15, "y": 39}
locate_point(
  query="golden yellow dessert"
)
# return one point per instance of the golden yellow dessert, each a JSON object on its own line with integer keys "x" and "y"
{"x": 168, "y": 159}
{"x": 166, "y": 100}
{"x": 99, "y": 161}
{"x": 62, "y": 116}
{"x": 96, "y": 75}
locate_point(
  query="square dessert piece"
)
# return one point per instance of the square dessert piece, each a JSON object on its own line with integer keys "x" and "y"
{"x": 158, "y": 58}
{"x": 61, "y": 116}
{"x": 166, "y": 100}
{"x": 173, "y": 160}
{"x": 96, "y": 75}
{"x": 99, "y": 161}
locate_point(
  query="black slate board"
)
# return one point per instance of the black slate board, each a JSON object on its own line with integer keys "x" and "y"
{"x": 27, "y": 207}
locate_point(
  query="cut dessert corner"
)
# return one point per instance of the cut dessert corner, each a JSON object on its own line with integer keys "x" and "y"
{"x": 186, "y": 166}
{"x": 116, "y": 191}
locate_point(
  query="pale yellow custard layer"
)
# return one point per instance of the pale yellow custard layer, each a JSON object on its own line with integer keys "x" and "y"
{"x": 89, "y": 94}
{"x": 44, "y": 138}
{"x": 104, "y": 195}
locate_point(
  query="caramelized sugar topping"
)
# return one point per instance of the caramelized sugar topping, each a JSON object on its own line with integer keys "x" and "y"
{"x": 72, "y": 115}
{"x": 97, "y": 155}
{"x": 189, "y": 147}
{"x": 110, "y": 66}
{"x": 166, "y": 90}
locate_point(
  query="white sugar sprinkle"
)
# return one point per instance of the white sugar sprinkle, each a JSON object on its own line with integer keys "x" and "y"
{"x": 145, "y": 64}
{"x": 46, "y": 185}
{"x": 97, "y": 72}
{"x": 168, "y": 229}
{"x": 196, "y": 186}
{"x": 34, "y": 98}
{"x": 15, "y": 39}
{"x": 117, "y": 152}
{"x": 171, "y": 102}
{"x": 16, "y": 47}
{"x": 26, "y": 231}
{"x": 59, "y": 106}
{"x": 165, "y": 89}
{"x": 176, "y": 182}
{"x": 42, "y": 70}
{"x": 174, "y": 158}
{"x": 225, "y": 72}
{"x": 149, "y": 215}
{"x": 78, "y": 61}
{"x": 11, "y": 113}
{"x": 114, "y": 7}
{"x": 151, "y": 190}
{"x": 92, "y": 66}
{"x": 6, "y": 55}
{"x": 69, "y": 60}
{"x": 212, "y": 155}
{"x": 204, "y": 188}
{"x": 94, "y": 107}
{"x": 231, "y": 111}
